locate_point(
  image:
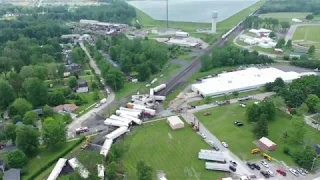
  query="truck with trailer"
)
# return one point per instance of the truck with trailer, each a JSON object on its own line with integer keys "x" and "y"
{"x": 111, "y": 122}
{"x": 117, "y": 133}
{"x": 118, "y": 118}
{"x": 221, "y": 103}
{"x": 133, "y": 114}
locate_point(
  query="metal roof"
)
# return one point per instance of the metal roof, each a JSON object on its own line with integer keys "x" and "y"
{"x": 211, "y": 156}
{"x": 217, "y": 166}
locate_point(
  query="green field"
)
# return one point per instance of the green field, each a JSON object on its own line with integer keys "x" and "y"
{"x": 240, "y": 139}
{"x": 309, "y": 35}
{"x": 174, "y": 152}
{"x": 223, "y": 26}
{"x": 288, "y": 16}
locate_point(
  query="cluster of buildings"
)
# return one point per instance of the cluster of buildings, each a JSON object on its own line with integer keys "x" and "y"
{"x": 243, "y": 80}
{"x": 101, "y": 28}
{"x": 260, "y": 38}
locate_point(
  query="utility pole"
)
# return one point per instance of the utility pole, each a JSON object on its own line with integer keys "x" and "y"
{"x": 167, "y": 13}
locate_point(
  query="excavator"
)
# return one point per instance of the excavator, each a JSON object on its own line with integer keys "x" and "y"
{"x": 86, "y": 143}
{"x": 255, "y": 151}
{"x": 266, "y": 156}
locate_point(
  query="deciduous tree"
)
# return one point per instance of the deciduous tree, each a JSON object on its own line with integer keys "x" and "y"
{"x": 73, "y": 82}
{"x": 37, "y": 92}
{"x": 47, "y": 111}
{"x": 296, "y": 130}
{"x": 17, "y": 159}
{"x": 261, "y": 128}
{"x": 111, "y": 170}
{"x": 27, "y": 139}
{"x": 144, "y": 172}
{"x": 54, "y": 133}
{"x": 311, "y": 50}
{"x": 30, "y": 118}
{"x": 10, "y": 132}
{"x": 312, "y": 101}
{"x": 20, "y": 106}
{"x": 6, "y": 93}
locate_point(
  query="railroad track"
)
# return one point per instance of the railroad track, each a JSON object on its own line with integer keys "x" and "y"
{"x": 195, "y": 65}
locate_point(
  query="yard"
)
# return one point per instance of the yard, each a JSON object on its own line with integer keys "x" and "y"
{"x": 240, "y": 139}
{"x": 174, "y": 152}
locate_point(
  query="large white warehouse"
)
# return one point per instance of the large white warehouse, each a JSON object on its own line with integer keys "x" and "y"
{"x": 243, "y": 80}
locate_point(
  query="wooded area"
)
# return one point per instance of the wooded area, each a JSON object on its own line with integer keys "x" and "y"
{"x": 291, "y": 6}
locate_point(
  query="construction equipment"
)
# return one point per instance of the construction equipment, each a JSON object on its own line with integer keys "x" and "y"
{"x": 266, "y": 156}
{"x": 192, "y": 124}
{"x": 255, "y": 151}
{"x": 195, "y": 128}
{"x": 86, "y": 143}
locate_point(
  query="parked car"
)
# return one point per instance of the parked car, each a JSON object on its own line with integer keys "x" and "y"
{"x": 270, "y": 173}
{"x": 300, "y": 171}
{"x": 256, "y": 166}
{"x": 250, "y": 165}
{"x": 232, "y": 168}
{"x": 224, "y": 144}
{"x": 233, "y": 163}
{"x": 203, "y": 136}
{"x": 238, "y": 123}
{"x": 294, "y": 172}
{"x": 97, "y": 105}
{"x": 264, "y": 164}
{"x": 265, "y": 174}
{"x": 315, "y": 122}
{"x": 280, "y": 171}
{"x": 304, "y": 170}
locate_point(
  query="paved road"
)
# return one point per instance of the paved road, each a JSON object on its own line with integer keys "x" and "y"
{"x": 77, "y": 123}
{"x": 308, "y": 120}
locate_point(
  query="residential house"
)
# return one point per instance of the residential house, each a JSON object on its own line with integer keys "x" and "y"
{"x": 19, "y": 123}
{"x": 12, "y": 174}
{"x": 38, "y": 111}
{"x": 82, "y": 87}
{"x": 71, "y": 108}
{"x": 73, "y": 68}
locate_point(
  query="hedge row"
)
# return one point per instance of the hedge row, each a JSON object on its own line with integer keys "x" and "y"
{"x": 312, "y": 64}
{"x": 50, "y": 163}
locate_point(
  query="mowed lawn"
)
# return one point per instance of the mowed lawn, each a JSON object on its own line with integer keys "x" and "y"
{"x": 285, "y": 16}
{"x": 174, "y": 152}
{"x": 241, "y": 139}
{"x": 309, "y": 31}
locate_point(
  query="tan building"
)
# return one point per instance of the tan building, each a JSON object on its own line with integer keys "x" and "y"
{"x": 175, "y": 122}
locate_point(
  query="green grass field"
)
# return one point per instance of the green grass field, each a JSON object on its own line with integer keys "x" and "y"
{"x": 309, "y": 35}
{"x": 288, "y": 16}
{"x": 240, "y": 139}
{"x": 223, "y": 26}
{"x": 174, "y": 152}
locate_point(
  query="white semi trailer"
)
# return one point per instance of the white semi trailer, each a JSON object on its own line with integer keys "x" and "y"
{"x": 159, "y": 88}
{"x": 133, "y": 114}
{"x": 106, "y": 147}
{"x": 116, "y": 133}
{"x": 135, "y": 120}
{"x": 130, "y": 110}
{"x": 118, "y": 118}
{"x": 145, "y": 109}
{"x": 111, "y": 122}
{"x": 159, "y": 98}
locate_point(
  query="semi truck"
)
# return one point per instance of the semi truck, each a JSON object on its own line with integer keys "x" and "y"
{"x": 118, "y": 118}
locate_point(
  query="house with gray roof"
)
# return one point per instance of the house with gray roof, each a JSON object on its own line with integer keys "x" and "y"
{"x": 12, "y": 174}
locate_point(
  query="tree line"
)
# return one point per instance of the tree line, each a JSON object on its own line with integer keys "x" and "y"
{"x": 270, "y": 23}
{"x": 290, "y": 6}
{"x": 230, "y": 56}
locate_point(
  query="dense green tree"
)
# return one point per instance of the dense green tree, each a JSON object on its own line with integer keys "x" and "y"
{"x": 16, "y": 82}
{"x": 20, "y": 106}
{"x": 285, "y": 25}
{"x": 6, "y": 65}
{"x": 279, "y": 102}
{"x": 17, "y": 159}
{"x": 309, "y": 17}
{"x": 115, "y": 79}
{"x": 144, "y": 72}
{"x": 16, "y": 119}
{"x": 311, "y": 50}
{"x": 289, "y": 44}
{"x": 281, "y": 42}
{"x": 47, "y": 111}
{"x": 26, "y": 72}
{"x": 144, "y": 172}
{"x": 37, "y": 92}
{"x": 296, "y": 130}
{"x": 27, "y": 139}
{"x": 56, "y": 98}
{"x": 73, "y": 82}
{"x": 6, "y": 93}
{"x": 30, "y": 118}
{"x": 272, "y": 35}
{"x": 54, "y": 133}
{"x": 261, "y": 128}
{"x": 295, "y": 98}
{"x": 252, "y": 112}
{"x": 10, "y": 132}
{"x": 78, "y": 55}
{"x": 206, "y": 63}
{"x": 40, "y": 72}
{"x": 67, "y": 118}
{"x": 312, "y": 101}
{"x": 304, "y": 157}
{"x": 303, "y": 109}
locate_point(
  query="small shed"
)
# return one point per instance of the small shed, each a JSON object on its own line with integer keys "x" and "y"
{"x": 267, "y": 144}
{"x": 175, "y": 122}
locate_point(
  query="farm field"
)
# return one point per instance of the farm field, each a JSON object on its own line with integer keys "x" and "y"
{"x": 285, "y": 16}
{"x": 307, "y": 35}
{"x": 241, "y": 139}
{"x": 174, "y": 152}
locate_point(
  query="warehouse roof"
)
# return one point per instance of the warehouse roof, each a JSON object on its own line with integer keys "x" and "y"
{"x": 249, "y": 78}
{"x": 266, "y": 141}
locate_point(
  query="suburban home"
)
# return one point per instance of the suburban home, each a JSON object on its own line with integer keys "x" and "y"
{"x": 73, "y": 68}
{"x": 2, "y": 165}
{"x": 12, "y": 174}
{"x": 71, "y": 108}
{"x": 38, "y": 111}
{"x": 82, "y": 87}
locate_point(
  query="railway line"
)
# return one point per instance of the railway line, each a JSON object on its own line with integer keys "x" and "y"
{"x": 196, "y": 63}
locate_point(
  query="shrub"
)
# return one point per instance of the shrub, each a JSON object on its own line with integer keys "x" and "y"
{"x": 286, "y": 57}
{"x": 286, "y": 150}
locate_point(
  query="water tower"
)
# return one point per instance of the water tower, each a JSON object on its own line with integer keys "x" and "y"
{"x": 214, "y": 21}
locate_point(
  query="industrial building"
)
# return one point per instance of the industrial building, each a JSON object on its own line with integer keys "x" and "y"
{"x": 267, "y": 144}
{"x": 242, "y": 80}
{"x": 175, "y": 122}
{"x": 260, "y": 32}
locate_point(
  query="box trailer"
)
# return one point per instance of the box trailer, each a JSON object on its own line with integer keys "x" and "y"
{"x": 57, "y": 169}
{"x": 145, "y": 109}
{"x": 182, "y": 34}
{"x": 133, "y": 114}
{"x": 116, "y": 133}
{"x": 154, "y": 80}
{"x": 101, "y": 170}
{"x": 159, "y": 98}
{"x": 159, "y": 88}
{"x": 135, "y": 120}
{"x": 106, "y": 147}
{"x": 131, "y": 110}
{"x": 151, "y": 92}
{"x": 111, "y": 122}
{"x": 118, "y": 118}
{"x": 76, "y": 165}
